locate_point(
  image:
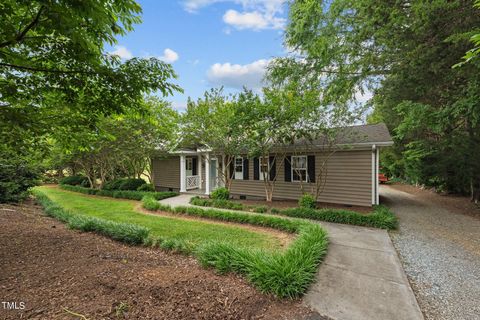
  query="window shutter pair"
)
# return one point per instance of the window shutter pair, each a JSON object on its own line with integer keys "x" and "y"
{"x": 245, "y": 169}
{"x": 310, "y": 168}
{"x": 272, "y": 166}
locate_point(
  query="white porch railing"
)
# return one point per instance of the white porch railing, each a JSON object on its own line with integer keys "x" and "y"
{"x": 193, "y": 182}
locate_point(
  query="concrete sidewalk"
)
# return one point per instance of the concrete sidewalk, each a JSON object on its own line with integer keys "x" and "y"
{"x": 361, "y": 278}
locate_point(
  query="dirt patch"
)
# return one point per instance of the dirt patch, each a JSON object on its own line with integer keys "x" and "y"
{"x": 284, "y": 238}
{"x": 456, "y": 203}
{"x": 283, "y": 204}
{"x": 49, "y": 268}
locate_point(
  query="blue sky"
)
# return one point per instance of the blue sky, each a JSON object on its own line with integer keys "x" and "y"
{"x": 210, "y": 43}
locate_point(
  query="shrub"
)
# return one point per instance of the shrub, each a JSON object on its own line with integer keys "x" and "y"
{"x": 112, "y": 185}
{"x": 217, "y": 203}
{"x": 146, "y": 187}
{"x": 16, "y": 178}
{"x": 124, "y": 194}
{"x": 76, "y": 181}
{"x": 131, "y": 184}
{"x": 260, "y": 209}
{"x": 274, "y": 210}
{"x": 220, "y": 194}
{"x": 307, "y": 201}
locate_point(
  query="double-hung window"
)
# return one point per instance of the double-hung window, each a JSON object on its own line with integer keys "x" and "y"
{"x": 238, "y": 168}
{"x": 299, "y": 168}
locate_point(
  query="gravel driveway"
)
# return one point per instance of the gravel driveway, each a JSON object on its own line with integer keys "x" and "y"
{"x": 440, "y": 251}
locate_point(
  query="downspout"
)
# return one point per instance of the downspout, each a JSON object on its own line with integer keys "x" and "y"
{"x": 374, "y": 175}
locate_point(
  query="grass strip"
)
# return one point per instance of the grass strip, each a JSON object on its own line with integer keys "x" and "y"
{"x": 285, "y": 274}
{"x": 125, "y": 232}
{"x": 123, "y": 194}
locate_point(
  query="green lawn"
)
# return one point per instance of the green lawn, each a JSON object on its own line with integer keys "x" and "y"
{"x": 166, "y": 227}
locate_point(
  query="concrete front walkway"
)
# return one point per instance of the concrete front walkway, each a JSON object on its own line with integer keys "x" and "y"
{"x": 361, "y": 278}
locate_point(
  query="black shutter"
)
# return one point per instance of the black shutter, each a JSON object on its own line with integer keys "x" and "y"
{"x": 288, "y": 168}
{"x": 273, "y": 168}
{"x": 232, "y": 168}
{"x": 256, "y": 169}
{"x": 245, "y": 168}
{"x": 311, "y": 168}
{"x": 194, "y": 166}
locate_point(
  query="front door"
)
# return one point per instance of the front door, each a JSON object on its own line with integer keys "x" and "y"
{"x": 213, "y": 174}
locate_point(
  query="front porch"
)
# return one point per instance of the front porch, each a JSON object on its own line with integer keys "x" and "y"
{"x": 200, "y": 171}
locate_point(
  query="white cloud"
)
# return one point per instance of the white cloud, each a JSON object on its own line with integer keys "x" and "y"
{"x": 169, "y": 56}
{"x": 122, "y": 52}
{"x": 252, "y": 20}
{"x": 236, "y": 75}
{"x": 256, "y": 14}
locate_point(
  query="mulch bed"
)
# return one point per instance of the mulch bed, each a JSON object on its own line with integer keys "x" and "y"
{"x": 283, "y": 204}
{"x": 49, "y": 268}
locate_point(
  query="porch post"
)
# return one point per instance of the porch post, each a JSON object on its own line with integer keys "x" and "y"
{"x": 183, "y": 177}
{"x": 207, "y": 174}
{"x": 199, "y": 170}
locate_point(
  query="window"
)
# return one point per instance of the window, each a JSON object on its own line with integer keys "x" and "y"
{"x": 264, "y": 167}
{"x": 299, "y": 168}
{"x": 238, "y": 168}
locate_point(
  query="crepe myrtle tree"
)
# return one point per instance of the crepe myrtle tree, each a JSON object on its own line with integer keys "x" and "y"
{"x": 121, "y": 145}
{"x": 267, "y": 125}
{"x": 307, "y": 127}
{"x": 214, "y": 122}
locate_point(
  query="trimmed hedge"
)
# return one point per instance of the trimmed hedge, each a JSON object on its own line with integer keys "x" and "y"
{"x": 123, "y": 194}
{"x": 131, "y": 184}
{"x": 75, "y": 181}
{"x": 128, "y": 233}
{"x": 381, "y": 217}
{"x": 285, "y": 274}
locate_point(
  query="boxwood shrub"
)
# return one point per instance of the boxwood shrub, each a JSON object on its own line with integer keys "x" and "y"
{"x": 220, "y": 194}
{"x": 75, "y": 181}
{"x": 124, "y": 184}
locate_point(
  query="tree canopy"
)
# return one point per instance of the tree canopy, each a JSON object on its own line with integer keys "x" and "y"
{"x": 403, "y": 52}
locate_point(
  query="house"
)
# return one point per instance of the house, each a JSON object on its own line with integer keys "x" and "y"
{"x": 350, "y": 174}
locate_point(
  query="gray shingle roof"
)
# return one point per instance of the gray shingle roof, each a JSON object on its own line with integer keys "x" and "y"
{"x": 364, "y": 134}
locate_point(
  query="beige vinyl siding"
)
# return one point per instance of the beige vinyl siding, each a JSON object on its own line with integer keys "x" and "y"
{"x": 166, "y": 173}
{"x": 349, "y": 180}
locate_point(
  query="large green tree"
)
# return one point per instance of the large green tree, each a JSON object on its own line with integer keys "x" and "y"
{"x": 55, "y": 73}
{"x": 403, "y": 51}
